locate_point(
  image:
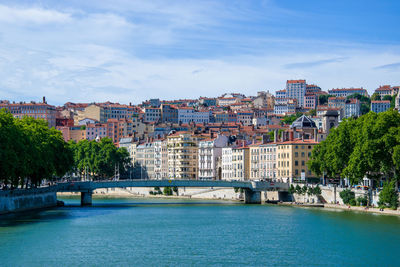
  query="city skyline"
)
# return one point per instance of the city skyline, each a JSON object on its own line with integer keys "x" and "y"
{"x": 133, "y": 51}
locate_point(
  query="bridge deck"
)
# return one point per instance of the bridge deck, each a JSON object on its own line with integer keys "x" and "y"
{"x": 93, "y": 185}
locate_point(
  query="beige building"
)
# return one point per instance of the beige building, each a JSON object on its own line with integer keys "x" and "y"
{"x": 93, "y": 111}
{"x": 292, "y": 158}
{"x": 182, "y": 156}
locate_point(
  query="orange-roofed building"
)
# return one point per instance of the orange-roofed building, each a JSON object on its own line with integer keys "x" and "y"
{"x": 292, "y": 157}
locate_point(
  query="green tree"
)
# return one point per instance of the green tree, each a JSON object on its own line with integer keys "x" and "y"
{"x": 375, "y": 97}
{"x": 323, "y": 99}
{"x": 292, "y": 190}
{"x": 175, "y": 189}
{"x": 317, "y": 190}
{"x": 362, "y": 201}
{"x": 367, "y": 146}
{"x": 310, "y": 191}
{"x": 304, "y": 190}
{"x": 347, "y": 196}
{"x": 298, "y": 190}
{"x": 289, "y": 119}
{"x": 393, "y": 101}
{"x": 388, "y": 197}
{"x": 167, "y": 191}
{"x": 312, "y": 112}
{"x": 387, "y": 98}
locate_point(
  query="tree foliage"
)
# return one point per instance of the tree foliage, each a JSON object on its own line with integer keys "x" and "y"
{"x": 347, "y": 196}
{"x": 30, "y": 151}
{"x": 99, "y": 160}
{"x": 375, "y": 97}
{"x": 388, "y": 197}
{"x": 368, "y": 146}
{"x": 289, "y": 119}
{"x": 323, "y": 99}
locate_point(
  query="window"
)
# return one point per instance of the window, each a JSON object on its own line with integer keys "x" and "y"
{"x": 296, "y": 172}
{"x": 296, "y": 163}
{"x": 303, "y": 154}
{"x": 302, "y": 163}
{"x": 296, "y": 154}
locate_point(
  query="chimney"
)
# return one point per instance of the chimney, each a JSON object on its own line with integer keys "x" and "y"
{"x": 302, "y": 136}
{"x": 44, "y": 100}
{"x": 291, "y": 136}
{"x": 275, "y": 136}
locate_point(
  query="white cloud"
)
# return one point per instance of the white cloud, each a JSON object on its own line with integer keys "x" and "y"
{"x": 134, "y": 51}
{"x": 32, "y": 15}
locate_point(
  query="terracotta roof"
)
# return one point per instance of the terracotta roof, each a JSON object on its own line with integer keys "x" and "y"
{"x": 296, "y": 81}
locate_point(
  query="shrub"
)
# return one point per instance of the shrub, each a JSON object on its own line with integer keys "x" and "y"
{"x": 353, "y": 202}
{"x": 317, "y": 190}
{"x": 362, "y": 201}
{"x": 388, "y": 197}
{"x": 167, "y": 191}
{"x": 292, "y": 190}
{"x": 304, "y": 190}
{"x": 310, "y": 191}
{"x": 347, "y": 195}
{"x": 298, "y": 189}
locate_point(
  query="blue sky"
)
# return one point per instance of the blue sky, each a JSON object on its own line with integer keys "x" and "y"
{"x": 129, "y": 51}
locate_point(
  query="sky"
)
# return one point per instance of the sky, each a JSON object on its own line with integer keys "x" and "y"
{"x": 132, "y": 50}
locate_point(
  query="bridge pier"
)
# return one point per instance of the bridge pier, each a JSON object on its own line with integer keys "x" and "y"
{"x": 251, "y": 196}
{"x": 86, "y": 198}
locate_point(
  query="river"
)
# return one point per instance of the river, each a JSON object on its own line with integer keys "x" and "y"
{"x": 173, "y": 232}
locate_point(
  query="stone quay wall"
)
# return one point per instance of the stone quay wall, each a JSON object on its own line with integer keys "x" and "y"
{"x": 27, "y": 199}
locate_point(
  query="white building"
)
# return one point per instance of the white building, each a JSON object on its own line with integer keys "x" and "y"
{"x": 160, "y": 159}
{"x": 267, "y": 162}
{"x": 227, "y": 170}
{"x": 352, "y": 108}
{"x": 209, "y": 152}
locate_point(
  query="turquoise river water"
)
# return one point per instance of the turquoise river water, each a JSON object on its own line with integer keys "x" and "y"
{"x": 172, "y": 232}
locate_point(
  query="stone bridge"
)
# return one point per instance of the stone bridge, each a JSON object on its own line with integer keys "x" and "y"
{"x": 252, "y": 189}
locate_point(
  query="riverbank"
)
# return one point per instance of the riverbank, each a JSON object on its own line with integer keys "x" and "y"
{"x": 20, "y": 200}
{"x": 228, "y": 194}
{"x": 363, "y": 209}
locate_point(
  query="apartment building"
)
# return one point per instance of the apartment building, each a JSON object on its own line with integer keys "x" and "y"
{"x": 292, "y": 157}
{"x": 130, "y": 145}
{"x": 296, "y": 89}
{"x": 227, "y": 169}
{"x": 160, "y": 159}
{"x": 380, "y": 106}
{"x": 33, "y": 109}
{"x": 145, "y": 159}
{"x": 240, "y": 163}
{"x": 209, "y": 152}
{"x": 182, "y": 155}
{"x": 345, "y": 92}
